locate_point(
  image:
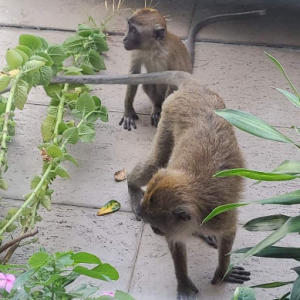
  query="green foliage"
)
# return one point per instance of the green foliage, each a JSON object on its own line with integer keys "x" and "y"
{"x": 279, "y": 225}
{"x": 48, "y": 276}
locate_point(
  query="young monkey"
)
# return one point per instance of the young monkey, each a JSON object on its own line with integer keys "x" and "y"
{"x": 156, "y": 48}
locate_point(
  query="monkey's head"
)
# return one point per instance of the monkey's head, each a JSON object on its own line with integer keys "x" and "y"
{"x": 146, "y": 28}
{"x": 167, "y": 204}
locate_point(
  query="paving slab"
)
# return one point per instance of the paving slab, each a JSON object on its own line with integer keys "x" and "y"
{"x": 113, "y": 238}
{"x": 154, "y": 276}
{"x": 69, "y": 13}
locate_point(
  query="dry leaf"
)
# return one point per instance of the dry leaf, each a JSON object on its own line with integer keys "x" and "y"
{"x": 120, "y": 175}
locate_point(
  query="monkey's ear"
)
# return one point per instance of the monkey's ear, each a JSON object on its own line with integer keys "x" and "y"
{"x": 159, "y": 33}
{"x": 182, "y": 213}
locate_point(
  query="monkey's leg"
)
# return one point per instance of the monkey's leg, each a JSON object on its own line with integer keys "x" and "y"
{"x": 237, "y": 274}
{"x": 186, "y": 289}
{"x": 142, "y": 173}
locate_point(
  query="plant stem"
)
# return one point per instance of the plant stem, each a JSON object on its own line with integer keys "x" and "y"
{"x": 60, "y": 113}
{"x": 3, "y": 147}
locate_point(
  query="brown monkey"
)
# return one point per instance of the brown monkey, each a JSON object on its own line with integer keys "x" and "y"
{"x": 158, "y": 50}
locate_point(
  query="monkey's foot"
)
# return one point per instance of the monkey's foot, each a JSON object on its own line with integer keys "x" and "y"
{"x": 155, "y": 116}
{"x": 236, "y": 275}
{"x": 129, "y": 121}
{"x": 187, "y": 291}
{"x": 210, "y": 240}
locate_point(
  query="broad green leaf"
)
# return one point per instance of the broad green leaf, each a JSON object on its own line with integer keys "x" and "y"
{"x": 86, "y": 134}
{"x": 35, "y": 181}
{"x": 268, "y": 223}
{"x": 54, "y": 151}
{"x": 4, "y": 82}
{"x": 119, "y": 295}
{"x": 71, "y": 135}
{"x": 109, "y": 207}
{"x": 30, "y": 41}
{"x": 85, "y": 104}
{"x": 48, "y": 60}
{"x": 13, "y": 59}
{"x": 45, "y": 75}
{"x": 76, "y": 113}
{"x": 96, "y": 60}
{"x": 44, "y": 43}
{"x": 36, "y": 78}
{"x": 272, "y": 285}
{"x": 69, "y": 157}
{"x": 84, "y": 291}
{"x": 47, "y": 128}
{"x": 20, "y": 95}
{"x": 256, "y": 175}
{"x": 38, "y": 259}
{"x": 62, "y": 127}
{"x": 290, "y": 96}
{"x": 85, "y": 258}
{"x": 3, "y": 184}
{"x": 11, "y": 228}
{"x": 62, "y": 172}
{"x": 100, "y": 43}
{"x": 23, "y": 54}
{"x": 52, "y": 279}
{"x": 57, "y": 53}
{"x": 97, "y": 101}
{"x": 274, "y": 252}
{"x": 279, "y": 66}
{"x": 295, "y": 294}
{"x": 252, "y": 125}
{"x": 46, "y": 202}
{"x": 22, "y": 279}
{"x": 290, "y": 226}
{"x": 285, "y": 199}
{"x": 25, "y": 49}
{"x": 39, "y": 58}
{"x": 93, "y": 117}
{"x": 74, "y": 43}
{"x": 52, "y": 111}
{"x": 87, "y": 69}
{"x": 104, "y": 114}
{"x": 103, "y": 272}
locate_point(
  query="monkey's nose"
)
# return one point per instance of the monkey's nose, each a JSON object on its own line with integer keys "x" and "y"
{"x": 125, "y": 39}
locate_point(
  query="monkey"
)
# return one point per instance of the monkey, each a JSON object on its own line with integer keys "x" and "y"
{"x": 156, "y": 48}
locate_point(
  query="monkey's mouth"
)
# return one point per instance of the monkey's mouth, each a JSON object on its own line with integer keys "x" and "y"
{"x": 157, "y": 231}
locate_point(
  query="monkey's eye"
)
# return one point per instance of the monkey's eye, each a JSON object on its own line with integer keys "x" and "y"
{"x": 132, "y": 30}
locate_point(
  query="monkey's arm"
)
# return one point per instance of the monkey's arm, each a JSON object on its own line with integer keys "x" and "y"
{"x": 186, "y": 288}
{"x": 130, "y": 115}
{"x": 158, "y": 158}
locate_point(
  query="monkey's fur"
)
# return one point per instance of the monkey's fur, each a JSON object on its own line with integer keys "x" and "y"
{"x": 156, "y": 48}
{"x": 192, "y": 144}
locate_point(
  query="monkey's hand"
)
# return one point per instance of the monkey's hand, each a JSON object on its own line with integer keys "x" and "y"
{"x": 210, "y": 240}
{"x": 129, "y": 120}
{"x": 186, "y": 290}
{"x": 155, "y": 115}
{"x": 236, "y": 275}
{"x": 136, "y": 195}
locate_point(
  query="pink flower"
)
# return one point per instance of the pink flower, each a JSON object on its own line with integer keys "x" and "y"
{"x": 7, "y": 281}
{"x": 108, "y": 294}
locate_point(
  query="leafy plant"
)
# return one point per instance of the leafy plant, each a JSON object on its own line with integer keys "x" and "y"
{"x": 48, "y": 277}
{"x": 278, "y": 225}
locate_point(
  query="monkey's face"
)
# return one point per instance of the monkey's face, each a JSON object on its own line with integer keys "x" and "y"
{"x": 132, "y": 39}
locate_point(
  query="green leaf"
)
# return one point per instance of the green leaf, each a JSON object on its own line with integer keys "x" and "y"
{"x": 30, "y": 41}
{"x": 35, "y": 181}
{"x": 54, "y": 151}
{"x": 4, "y": 82}
{"x": 290, "y": 96}
{"x": 25, "y": 49}
{"x": 274, "y": 252}
{"x": 256, "y": 175}
{"x": 13, "y": 58}
{"x": 62, "y": 127}
{"x": 52, "y": 111}
{"x": 85, "y": 258}
{"x": 96, "y": 60}
{"x": 36, "y": 78}
{"x": 87, "y": 69}
{"x": 57, "y": 53}
{"x": 71, "y": 135}
{"x": 23, "y": 54}
{"x": 44, "y": 43}
{"x": 47, "y": 128}
{"x": 268, "y": 223}
{"x": 20, "y": 95}
{"x": 74, "y": 43}
{"x": 103, "y": 272}
{"x": 46, "y": 202}
{"x": 51, "y": 279}
{"x": 103, "y": 114}
{"x": 3, "y": 184}
{"x": 243, "y": 293}
{"x": 100, "y": 43}
{"x": 279, "y": 66}
{"x": 11, "y": 228}
{"x": 119, "y": 295}
{"x": 86, "y": 134}
{"x": 295, "y": 294}
{"x": 85, "y": 104}
{"x": 272, "y": 285}
{"x": 110, "y": 207}
{"x": 38, "y": 260}
{"x": 252, "y": 125}
{"x": 45, "y": 74}
{"x": 62, "y": 172}
{"x": 69, "y": 157}
{"x": 22, "y": 279}
{"x": 54, "y": 90}
{"x": 49, "y": 62}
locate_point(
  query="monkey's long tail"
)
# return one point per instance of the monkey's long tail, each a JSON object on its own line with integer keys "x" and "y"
{"x": 215, "y": 19}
